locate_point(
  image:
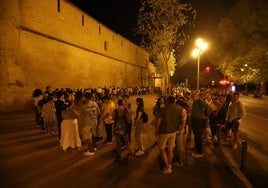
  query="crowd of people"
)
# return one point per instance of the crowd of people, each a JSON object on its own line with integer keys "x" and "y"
{"x": 192, "y": 112}
{"x": 81, "y": 115}
{"x": 84, "y": 114}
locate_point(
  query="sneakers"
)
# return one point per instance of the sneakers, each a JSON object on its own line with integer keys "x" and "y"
{"x": 139, "y": 152}
{"x": 197, "y": 155}
{"x": 108, "y": 143}
{"x": 234, "y": 146}
{"x": 123, "y": 147}
{"x": 178, "y": 163}
{"x": 88, "y": 153}
{"x": 167, "y": 170}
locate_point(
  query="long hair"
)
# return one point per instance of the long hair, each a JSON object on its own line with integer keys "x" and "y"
{"x": 140, "y": 104}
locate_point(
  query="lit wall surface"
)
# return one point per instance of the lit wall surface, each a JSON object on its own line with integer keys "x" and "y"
{"x": 51, "y": 42}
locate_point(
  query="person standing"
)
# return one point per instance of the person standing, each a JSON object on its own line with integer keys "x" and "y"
{"x": 89, "y": 112}
{"x": 198, "y": 109}
{"x": 168, "y": 122}
{"x": 49, "y": 115}
{"x": 37, "y": 96}
{"x": 121, "y": 118}
{"x": 69, "y": 126}
{"x": 138, "y": 123}
{"x": 127, "y": 105}
{"x": 59, "y": 104}
{"x": 108, "y": 107}
{"x": 160, "y": 103}
{"x": 236, "y": 112}
{"x": 181, "y": 105}
{"x": 189, "y": 102}
{"x": 215, "y": 106}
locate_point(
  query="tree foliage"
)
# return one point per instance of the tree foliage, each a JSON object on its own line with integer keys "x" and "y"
{"x": 160, "y": 26}
{"x": 242, "y": 38}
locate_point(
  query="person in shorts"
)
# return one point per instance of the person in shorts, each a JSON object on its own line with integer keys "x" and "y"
{"x": 168, "y": 122}
{"x": 236, "y": 111}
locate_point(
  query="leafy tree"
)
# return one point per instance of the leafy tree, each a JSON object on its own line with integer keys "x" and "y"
{"x": 160, "y": 26}
{"x": 241, "y": 39}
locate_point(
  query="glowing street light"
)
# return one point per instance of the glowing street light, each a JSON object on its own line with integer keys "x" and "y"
{"x": 201, "y": 46}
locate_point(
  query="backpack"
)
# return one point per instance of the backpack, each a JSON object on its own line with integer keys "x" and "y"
{"x": 144, "y": 117}
{"x": 156, "y": 110}
{"x": 120, "y": 123}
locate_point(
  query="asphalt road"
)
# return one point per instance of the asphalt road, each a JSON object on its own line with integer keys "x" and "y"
{"x": 254, "y": 130}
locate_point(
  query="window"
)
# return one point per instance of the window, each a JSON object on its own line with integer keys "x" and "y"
{"x": 58, "y": 5}
{"x": 105, "y": 45}
{"x": 83, "y": 20}
{"x": 99, "y": 30}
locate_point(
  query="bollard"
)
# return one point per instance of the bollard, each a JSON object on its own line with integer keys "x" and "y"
{"x": 243, "y": 155}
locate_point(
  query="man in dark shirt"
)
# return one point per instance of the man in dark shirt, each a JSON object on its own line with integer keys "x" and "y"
{"x": 168, "y": 121}
{"x": 197, "y": 113}
{"x": 59, "y": 105}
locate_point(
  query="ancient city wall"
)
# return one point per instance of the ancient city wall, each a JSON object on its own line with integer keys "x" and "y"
{"x": 51, "y": 42}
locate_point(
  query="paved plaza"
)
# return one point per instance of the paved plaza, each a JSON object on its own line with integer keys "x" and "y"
{"x": 31, "y": 159}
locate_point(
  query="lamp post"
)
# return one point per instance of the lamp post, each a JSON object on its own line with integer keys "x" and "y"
{"x": 170, "y": 83}
{"x": 201, "y": 46}
{"x": 246, "y": 82}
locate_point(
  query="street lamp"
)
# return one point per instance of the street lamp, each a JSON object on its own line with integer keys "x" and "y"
{"x": 201, "y": 46}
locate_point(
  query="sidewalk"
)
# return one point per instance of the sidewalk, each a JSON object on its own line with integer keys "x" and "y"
{"x": 31, "y": 159}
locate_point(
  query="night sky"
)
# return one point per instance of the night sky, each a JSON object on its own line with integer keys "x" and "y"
{"x": 120, "y": 15}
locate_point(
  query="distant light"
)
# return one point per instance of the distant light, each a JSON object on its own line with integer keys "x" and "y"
{"x": 233, "y": 88}
{"x": 224, "y": 82}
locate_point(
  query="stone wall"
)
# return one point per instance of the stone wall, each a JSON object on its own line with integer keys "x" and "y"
{"x": 51, "y": 42}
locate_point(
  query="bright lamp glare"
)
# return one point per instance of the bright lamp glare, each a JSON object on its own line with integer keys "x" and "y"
{"x": 195, "y": 52}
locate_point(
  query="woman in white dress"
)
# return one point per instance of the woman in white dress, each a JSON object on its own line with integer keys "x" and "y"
{"x": 69, "y": 128}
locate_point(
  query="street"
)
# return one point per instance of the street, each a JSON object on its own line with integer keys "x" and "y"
{"x": 254, "y": 131}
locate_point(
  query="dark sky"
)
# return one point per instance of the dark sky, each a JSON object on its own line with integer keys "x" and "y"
{"x": 120, "y": 15}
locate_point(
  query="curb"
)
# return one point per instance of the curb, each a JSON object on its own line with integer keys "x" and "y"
{"x": 226, "y": 157}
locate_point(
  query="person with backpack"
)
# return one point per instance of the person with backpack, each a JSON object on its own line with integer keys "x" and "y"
{"x": 121, "y": 118}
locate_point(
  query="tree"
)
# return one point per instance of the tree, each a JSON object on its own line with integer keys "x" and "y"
{"x": 241, "y": 39}
{"x": 160, "y": 26}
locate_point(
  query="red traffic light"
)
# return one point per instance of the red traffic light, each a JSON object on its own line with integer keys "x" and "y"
{"x": 207, "y": 69}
